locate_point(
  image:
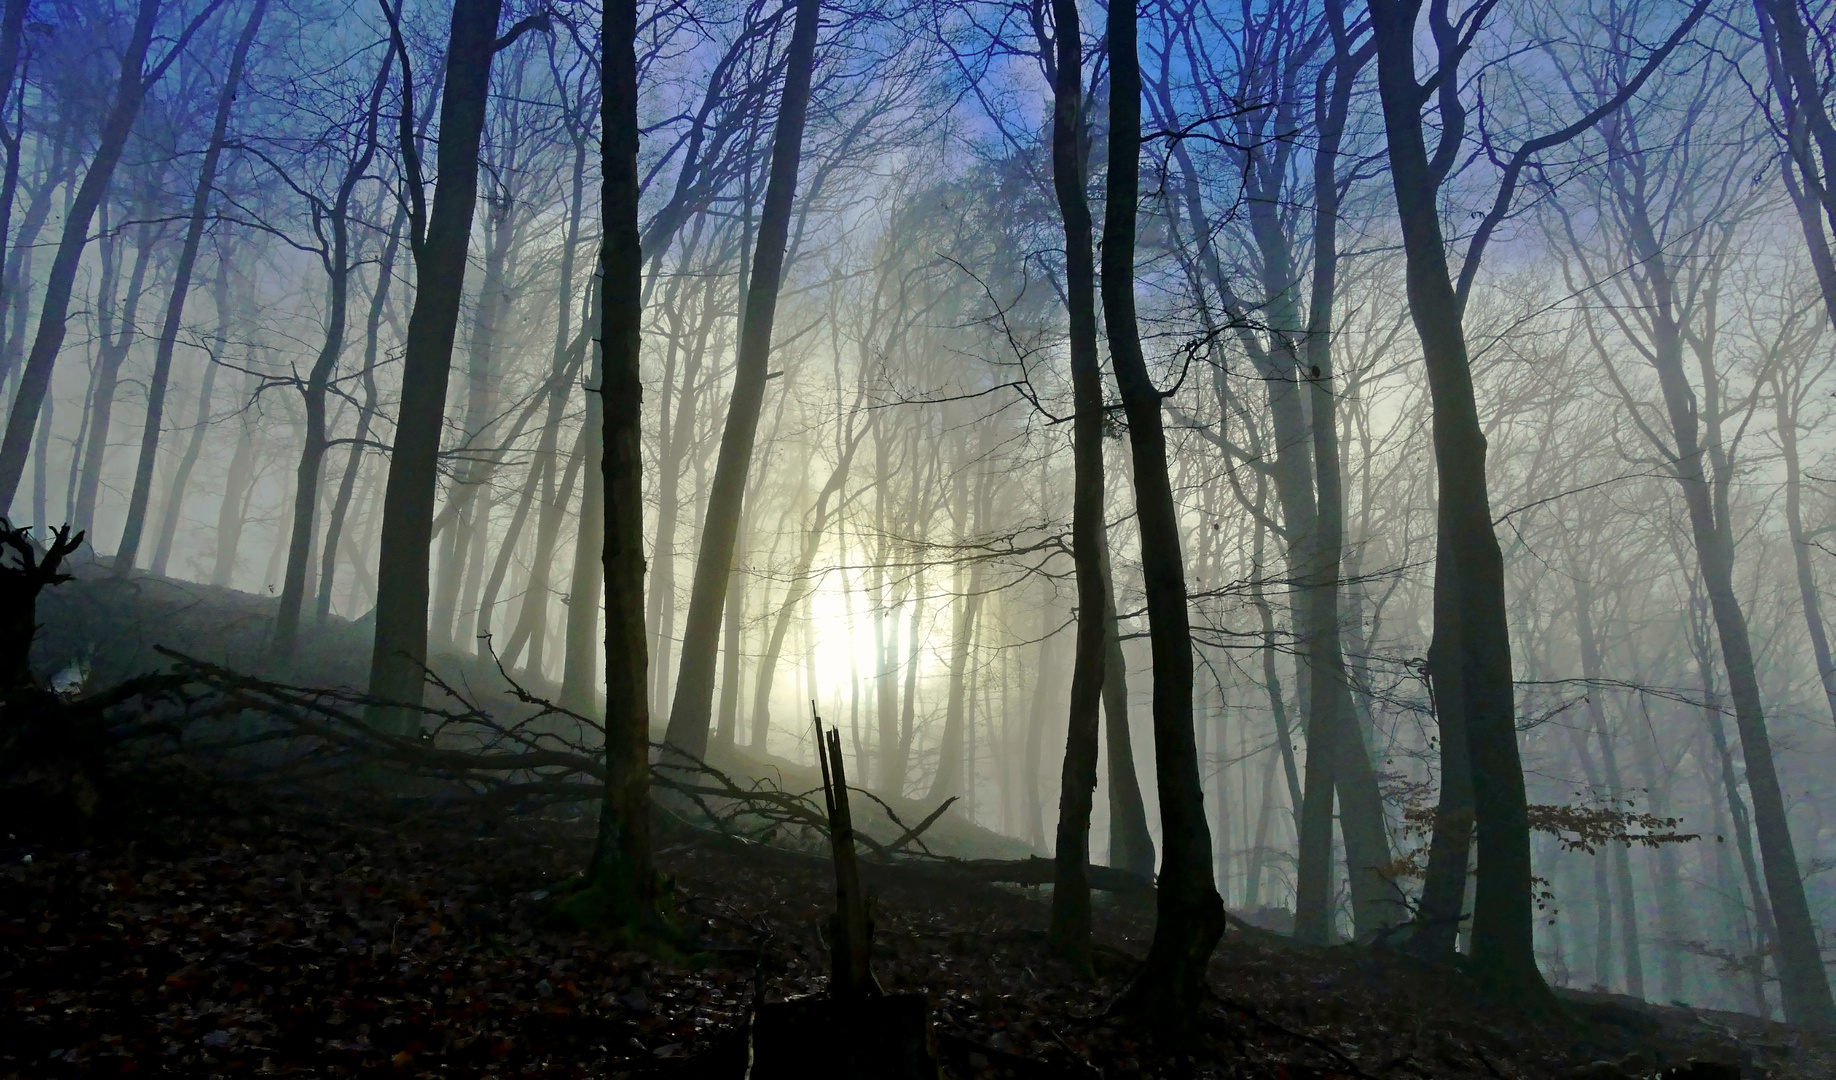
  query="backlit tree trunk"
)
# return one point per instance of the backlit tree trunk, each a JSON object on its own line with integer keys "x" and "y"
{"x": 1077, "y": 781}
{"x": 1189, "y": 914}
{"x": 399, "y": 653}
{"x": 691, "y": 710}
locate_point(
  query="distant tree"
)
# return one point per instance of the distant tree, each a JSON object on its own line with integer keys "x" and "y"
{"x": 129, "y": 549}
{"x": 131, "y": 87}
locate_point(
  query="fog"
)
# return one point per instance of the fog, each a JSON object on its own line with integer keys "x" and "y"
{"x": 1462, "y": 434}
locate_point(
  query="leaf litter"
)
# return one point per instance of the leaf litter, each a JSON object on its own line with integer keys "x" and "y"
{"x": 278, "y": 936}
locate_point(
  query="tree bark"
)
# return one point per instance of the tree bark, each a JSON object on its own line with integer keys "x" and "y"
{"x": 692, "y": 707}
{"x": 1189, "y": 914}
{"x": 399, "y": 653}
{"x": 129, "y": 549}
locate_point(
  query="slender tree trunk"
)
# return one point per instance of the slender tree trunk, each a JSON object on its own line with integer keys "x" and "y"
{"x": 1807, "y": 131}
{"x": 230, "y": 511}
{"x": 1252, "y": 889}
{"x": 798, "y": 590}
{"x": 692, "y": 706}
{"x": 1803, "y": 983}
{"x": 1032, "y": 811}
{"x": 1591, "y": 670}
{"x": 200, "y": 425}
{"x": 111, "y": 354}
{"x": 622, "y": 853}
{"x": 366, "y": 415}
{"x": 1071, "y": 915}
{"x": 314, "y": 394}
{"x": 1673, "y": 917}
{"x": 54, "y": 308}
{"x": 1271, "y": 683}
{"x": 17, "y": 279}
{"x": 579, "y": 667}
{"x": 1189, "y": 913}
{"x": 129, "y": 550}
{"x": 1131, "y": 845}
{"x": 1800, "y": 547}
{"x": 1377, "y": 904}
{"x": 12, "y": 32}
{"x": 470, "y": 495}
{"x": 399, "y": 653}
{"x": 732, "y": 639}
{"x": 533, "y": 612}
{"x": 951, "y": 778}
{"x": 909, "y": 704}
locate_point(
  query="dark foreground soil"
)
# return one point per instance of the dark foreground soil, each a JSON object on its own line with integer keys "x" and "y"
{"x": 252, "y": 937}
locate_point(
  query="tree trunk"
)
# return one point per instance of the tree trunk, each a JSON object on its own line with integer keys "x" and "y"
{"x": 953, "y": 778}
{"x": 1189, "y": 913}
{"x": 171, "y": 513}
{"x": 1803, "y": 984}
{"x": 109, "y": 358}
{"x": 1787, "y": 427}
{"x": 54, "y": 308}
{"x": 129, "y": 549}
{"x": 469, "y": 498}
{"x": 18, "y": 276}
{"x": 1071, "y": 915}
{"x": 692, "y": 707}
{"x": 1131, "y": 845}
{"x": 366, "y": 415}
{"x": 230, "y": 511}
{"x": 1591, "y": 670}
{"x": 1470, "y": 655}
{"x": 1377, "y": 904}
{"x": 12, "y": 31}
{"x": 1032, "y": 811}
{"x": 622, "y": 855}
{"x": 1808, "y": 132}
{"x": 337, "y": 262}
{"x": 579, "y": 667}
{"x": 799, "y": 588}
{"x": 399, "y": 654}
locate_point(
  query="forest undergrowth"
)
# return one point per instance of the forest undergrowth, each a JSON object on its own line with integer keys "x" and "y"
{"x": 231, "y": 932}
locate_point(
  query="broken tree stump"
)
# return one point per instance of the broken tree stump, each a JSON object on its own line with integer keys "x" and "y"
{"x": 857, "y": 1030}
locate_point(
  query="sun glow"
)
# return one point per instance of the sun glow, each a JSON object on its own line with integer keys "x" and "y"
{"x": 843, "y": 649}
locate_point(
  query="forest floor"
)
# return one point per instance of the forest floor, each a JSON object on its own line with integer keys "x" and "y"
{"x": 226, "y": 929}
{"x": 240, "y": 934}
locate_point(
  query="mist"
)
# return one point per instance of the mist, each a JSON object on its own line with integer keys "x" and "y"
{"x": 1299, "y": 473}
